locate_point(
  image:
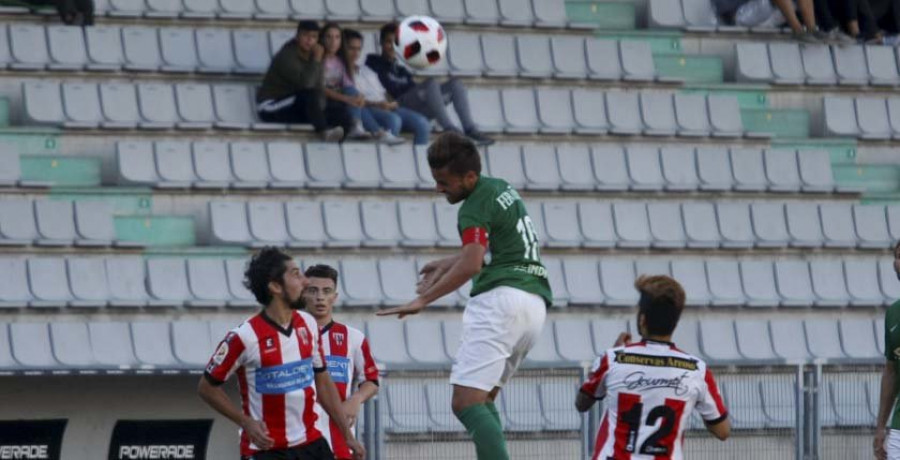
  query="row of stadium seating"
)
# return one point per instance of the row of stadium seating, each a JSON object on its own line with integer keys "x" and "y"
{"x": 90, "y": 283}
{"x": 691, "y": 15}
{"x": 248, "y": 51}
{"x": 58, "y": 223}
{"x": 508, "y": 13}
{"x": 566, "y": 224}
{"x": 198, "y": 106}
{"x": 540, "y": 167}
{"x": 429, "y": 344}
{"x": 872, "y": 118}
{"x": 785, "y": 63}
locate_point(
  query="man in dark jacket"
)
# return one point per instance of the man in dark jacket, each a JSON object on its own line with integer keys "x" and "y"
{"x": 429, "y": 98}
{"x": 292, "y": 90}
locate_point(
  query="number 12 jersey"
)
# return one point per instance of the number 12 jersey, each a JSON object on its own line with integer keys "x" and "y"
{"x": 650, "y": 389}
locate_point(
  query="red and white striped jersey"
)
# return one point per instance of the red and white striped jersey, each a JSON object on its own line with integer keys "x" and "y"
{"x": 349, "y": 361}
{"x": 650, "y": 389}
{"x": 276, "y": 369}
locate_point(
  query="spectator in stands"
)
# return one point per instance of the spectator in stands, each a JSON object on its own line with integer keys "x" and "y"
{"x": 881, "y": 21}
{"x": 833, "y": 15}
{"x": 71, "y": 12}
{"x": 380, "y": 112}
{"x": 342, "y": 97}
{"x": 429, "y": 97}
{"x": 811, "y": 34}
{"x": 292, "y": 89}
{"x": 887, "y": 407}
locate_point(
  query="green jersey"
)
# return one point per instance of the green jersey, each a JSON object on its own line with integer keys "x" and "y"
{"x": 892, "y": 349}
{"x": 494, "y": 212}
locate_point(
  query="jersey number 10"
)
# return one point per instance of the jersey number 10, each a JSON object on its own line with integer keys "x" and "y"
{"x": 660, "y": 442}
{"x": 529, "y": 238}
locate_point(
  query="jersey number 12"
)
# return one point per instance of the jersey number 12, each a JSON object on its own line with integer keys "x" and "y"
{"x": 529, "y": 238}
{"x": 661, "y": 441}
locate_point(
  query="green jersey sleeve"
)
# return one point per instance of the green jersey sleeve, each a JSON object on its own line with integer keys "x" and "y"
{"x": 892, "y": 332}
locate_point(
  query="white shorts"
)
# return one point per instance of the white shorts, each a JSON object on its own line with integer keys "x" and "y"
{"x": 499, "y": 328}
{"x": 893, "y": 445}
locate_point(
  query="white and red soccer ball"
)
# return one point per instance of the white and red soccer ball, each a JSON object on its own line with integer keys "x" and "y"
{"x": 420, "y": 42}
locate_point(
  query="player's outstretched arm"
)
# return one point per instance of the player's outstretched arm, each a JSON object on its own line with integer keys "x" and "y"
{"x": 885, "y": 404}
{"x": 466, "y": 266}
{"x": 434, "y": 271}
{"x": 216, "y": 398}
{"x": 329, "y": 399}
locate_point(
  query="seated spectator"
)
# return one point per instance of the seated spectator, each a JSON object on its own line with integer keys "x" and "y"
{"x": 809, "y": 34}
{"x": 834, "y": 15}
{"x": 292, "y": 89}
{"x": 428, "y": 97}
{"x": 71, "y": 12}
{"x": 880, "y": 21}
{"x": 342, "y": 98}
{"x": 380, "y": 112}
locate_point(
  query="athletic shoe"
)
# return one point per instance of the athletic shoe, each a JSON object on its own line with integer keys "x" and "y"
{"x": 837, "y": 37}
{"x": 390, "y": 139}
{"x": 479, "y": 138}
{"x": 811, "y": 38}
{"x": 333, "y": 135}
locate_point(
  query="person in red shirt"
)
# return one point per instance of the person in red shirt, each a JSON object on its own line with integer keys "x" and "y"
{"x": 346, "y": 351}
{"x": 277, "y": 357}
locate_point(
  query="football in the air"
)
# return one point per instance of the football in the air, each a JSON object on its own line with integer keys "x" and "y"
{"x": 420, "y": 41}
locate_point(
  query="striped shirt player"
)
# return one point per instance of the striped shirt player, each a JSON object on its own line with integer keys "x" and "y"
{"x": 650, "y": 388}
{"x": 349, "y": 361}
{"x": 276, "y": 369}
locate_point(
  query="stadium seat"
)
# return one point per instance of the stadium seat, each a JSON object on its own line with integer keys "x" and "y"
{"x": 748, "y": 169}
{"x": 857, "y": 339}
{"x": 828, "y": 283}
{"x": 425, "y": 338}
{"x": 28, "y": 47}
{"x": 380, "y": 226}
{"x": 611, "y": 168}
{"x": 43, "y": 103}
{"x": 665, "y": 14}
{"x": 48, "y": 282}
{"x": 17, "y": 223}
{"x": 596, "y": 224}
{"x": 893, "y": 217}
{"x": 862, "y": 282}
{"x": 636, "y": 60}
{"x": 167, "y": 281}
{"x": 540, "y": 167}
{"x": 518, "y": 404}
{"x": 850, "y": 402}
{"x": 126, "y": 8}
{"x": 191, "y": 343}
{"x": 149, "y": 350}
{"x": 743, "y": 398}
{"x": 718, "y": 340}
{"x": 487, "y": 110}
{"x": 882, "y": 65}
{"x": 815, "y": 171}
{"x": 818, "y": 65}
{"x": 725, "y": 117}
{"x": 560, "y": 230}
{"x": 519, "y": 110}
{"x": 360, "y": 165}
{"x": 417, "y": 224}
{"x": 163, "y": 8}
{"x": 207, "y": 281}
{"x": 804, "y": 224}
{"x": 752, "y": 63}
{"x": 241, "y": 297}
{"x": 878, "y": 326}
{"x": 55, "y": 223}
{"x": 603, "y": 60}
{"x": 211, "y": 165}
{"x": 632, "y": 224}
{"x": 724, "y": 279}
{"x": 119, "y": 104}
{"x": 505, "y": 160}
{"x": 872, "y": 117}
{"x": 698, "y": 17}
{"x": 779, "y": 402}
{"x": 398, "y": 167}
{"x": 104, "y": 48}
{"x": 794, "y": 283}
{"x": 157, "y": 106}
{"x": 407, "y": 407}
{"x": 624, "y": 113}
{"x": 81, "y": 104}
{"x": 499, "y": 53}
{"x": 31, "y": 345}
{"x": 837, "y": 225}
{"x": 412, "y": 8}
{"x": 573, "y": 340}
{"x": 111, "y": 344}
{"x": 887, "y": 278}
{"x": 448, "y": 12}
{"x": 714, "y": 169}
{"x": 544, "y": 349}
{"x": 782, "y": 170}
{"x": 439, "y": 408}
{"x": 691, "y": 273}
{"x": 140, "y": 46}
{"x": 589, "y": 110}
{"x": 691, "y": 115}
{"x": 66, "y": 48}
{"x": 839, "y": 116}
{"x": 177, "y": 50}
{"x": 515, "y": 13}
{"x": 361, "y": 287}
{"x": 465, "y": 56}
{"x": 555, "y": 398}
{"x": 759, "y": 283}
{"x": 251, "y": 52}
{"x": 126, "y": 282}
{"x": 388, "y": 343}
{"x": 14, "y": 293}
{"x": 324, "y": 165}
{"x": 870, "y": 223}
{"x": 769, "y": 225}
{"x": 686, "y": 337}
{"x": 753, "y": 340}
{"x": 644, "y": 168}
{"x": 787, "y": 340}
{"x": 658, "y": 114}
{"x": 616, "y": 279}
{"x": 735, "y": 225}
{"x": 249, "y": 165}
{"x": 534, "y": 56}
{"x": 666, "y": 225}
{"x": 679, "y": 169}
{"x": 823, "y": 338}
{"x": 195, "y": 106}
{"x": 850, "y": 65}
{"x": 582, "y": 282}
{"x": 87, "y": 281}
{"x": 575, "y": 169}
{"x": 569, "y": 58}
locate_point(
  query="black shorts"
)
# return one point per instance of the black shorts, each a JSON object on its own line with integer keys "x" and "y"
{"x": 316, "y": 450}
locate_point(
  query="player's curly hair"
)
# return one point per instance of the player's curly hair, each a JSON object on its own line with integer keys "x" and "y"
{"x": 454, "y": 151}
{"x": 662, "y": 301}
{"x": 265, "y": 266}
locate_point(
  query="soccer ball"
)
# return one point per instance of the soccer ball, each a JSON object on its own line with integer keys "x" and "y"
{"x": 420, "y": 41}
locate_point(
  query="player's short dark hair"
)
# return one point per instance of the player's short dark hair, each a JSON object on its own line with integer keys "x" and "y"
{"x": 454, "y": 151}
{"x": 387, "y": 29}
{"x": 307, "y": 25}
{"x": 322, "y": 271}
{"x": 662, "y": 301}
{"x": 352, "y": 34}
{"x": 265, "y": 266}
